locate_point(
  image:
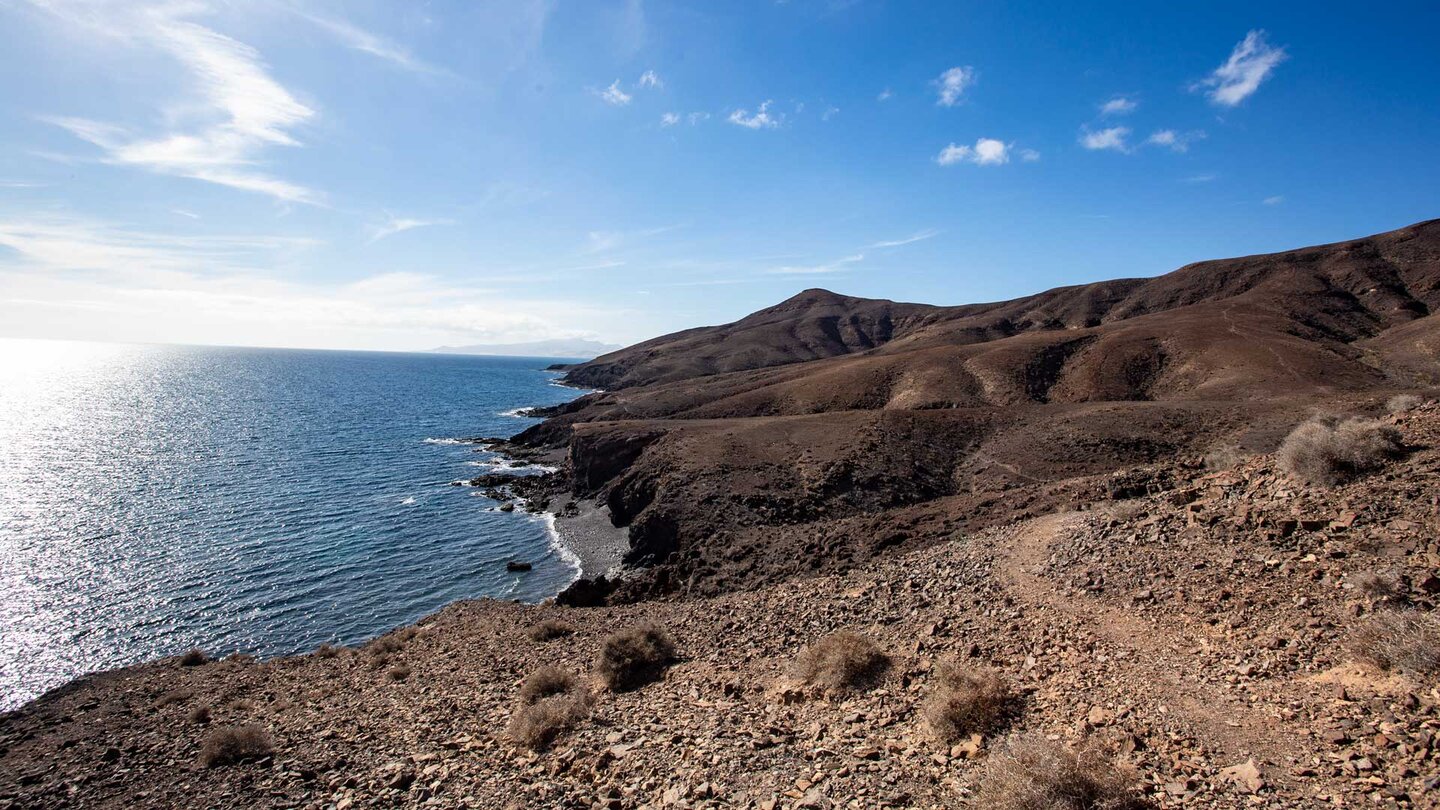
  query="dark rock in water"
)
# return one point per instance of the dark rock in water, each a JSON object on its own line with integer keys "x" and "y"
{"x": 586, "y": 593}
{"x": 517, "y": 566}
{"x": 507, "y": 507}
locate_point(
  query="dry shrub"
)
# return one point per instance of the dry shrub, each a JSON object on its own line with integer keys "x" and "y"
{"x": 1329, "y": 451}
{"x": 194, "y": 658}
{"x": 384, "y": 646}
{"x": 1032, "y": 773}
{"x": 546, "y": 682}
{"x": 549, "y": 630}
{"x": 634, "y": 657}
{"x": 327, "y": 650}
{"x": 1224, "y": 457}
{"x": 399, "y": 672}
{"x": 174, "y": 696}
{"x": 966, "y": 701}
{"x": 200, "y": 715}
{"x": 1375, "y": 586}
{"x": 1405, "y": 641}
{"x": 842, "y": 660}
{"x": 536, "y": 726}
{"x": 1401, "y": 403}
{"x": 232, "y": 744}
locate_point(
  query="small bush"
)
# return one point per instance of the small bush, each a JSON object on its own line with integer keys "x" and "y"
{"x": 549, "y": 630}
{"x": 536, "y": 725}
{"x": 174, "y": 696}
{"x": 200, "y": 715}
{"x": 1405, "y": 641}
{"x": 1401, "y": 403}
{"x": 546, "y": 682}
{"x": 1224, "y": 457}
{"x": 1329, "y": 451}
{"x": 1375, "y": 586}
{"x": 384, "y": 646}
{"x": 194, "y": 658}
{"x": 327, "y": 650}
{"x": 232, "y": 744}
{"x": 399, "y": 672}
{"x": 1032, "y": 773}
{"x": 634, "y": 657}
{"x": 841, "y": 661}
{"x": 966, "y": 701}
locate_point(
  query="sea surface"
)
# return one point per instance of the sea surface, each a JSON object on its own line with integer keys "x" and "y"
{"x": 155, "y": 499}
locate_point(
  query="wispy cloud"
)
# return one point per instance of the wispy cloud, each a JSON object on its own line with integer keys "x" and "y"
{"x": 599, "y": 241}
{"x": 614, "y": 95}
{"x": 762, "y": 119}
{"x": 1119, "y": 105}
{"x": 830, "y": 112}
{"x": 394, "y": 225}
{"x": 356, "y": 38}
{"x": 1174, "y": 141}
{"x": 1199, "y": 178}
{"x": 1250, "y": 63}
{"x": 669, "y": 119}
{"x": 247, "y": 110}
{"x": 181, "y": 212}
{"x": 1112, "y": 138}
{"x": 928, "y": 233}
{"x": 19, "y": 184}
{"x": 953, "y": 83}
{"x": 985, "y": 152}
{"x": 650, "y": 79}
{"x": 1275, "y": 200}
{"x": 885, "y": 95}
{"x": 838, "y": 266}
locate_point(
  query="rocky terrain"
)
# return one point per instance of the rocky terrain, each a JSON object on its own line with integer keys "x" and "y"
{"x": 1077, "y": 492}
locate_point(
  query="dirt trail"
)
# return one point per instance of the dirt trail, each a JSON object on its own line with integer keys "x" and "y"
{"x": 1158, "y": 653}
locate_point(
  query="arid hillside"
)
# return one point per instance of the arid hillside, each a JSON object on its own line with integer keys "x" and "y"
{"x": 746, "y": 453}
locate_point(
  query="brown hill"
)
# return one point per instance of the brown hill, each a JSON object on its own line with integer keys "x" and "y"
{"x": 728, "y": 450}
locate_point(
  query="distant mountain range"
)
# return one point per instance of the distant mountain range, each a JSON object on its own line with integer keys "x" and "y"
{"x": 565, "y": 347}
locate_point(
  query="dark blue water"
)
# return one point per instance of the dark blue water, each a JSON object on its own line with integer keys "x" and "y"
{"x": 156, "y": 498}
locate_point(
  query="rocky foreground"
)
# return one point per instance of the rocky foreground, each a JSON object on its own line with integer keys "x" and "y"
{"x": 1208, "y": 639}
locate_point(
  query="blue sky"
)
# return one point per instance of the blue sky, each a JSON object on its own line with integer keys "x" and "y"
{"x": 405, "y": 175}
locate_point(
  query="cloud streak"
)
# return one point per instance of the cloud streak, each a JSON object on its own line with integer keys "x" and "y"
{"x": 952, "y": 84}
{"x": 762, "y": 119}
{"x": 1250, "y": 63}
{"x": 396, "y": 225}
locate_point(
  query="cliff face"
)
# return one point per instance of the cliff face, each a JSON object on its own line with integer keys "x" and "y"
{"x": 745, "y": 442}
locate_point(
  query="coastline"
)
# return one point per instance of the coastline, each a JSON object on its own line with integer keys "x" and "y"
{"x": 586, "y": 532}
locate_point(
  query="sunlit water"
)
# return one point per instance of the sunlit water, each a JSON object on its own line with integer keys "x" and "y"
{"x": 157, "y": 498}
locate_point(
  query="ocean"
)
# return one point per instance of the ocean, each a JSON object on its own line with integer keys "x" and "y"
{"x": 155, "y": 499}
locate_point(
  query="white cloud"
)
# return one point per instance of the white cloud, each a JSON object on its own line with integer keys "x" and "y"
{"x": 1118, "y": 105}
{"x": 614, "y": 95}
{"x": 1029, "y": 155}
{"x": 985, "y": 152}
{"x": 885, "y": 95}
{"x": 1276, "y": 200}
{"x": 696, "y": 117}
{"x": 928, "y": 233}
{"x": 183, "y": 213}
{"x": 650, "y": 79}
{"x": 1112, "y": 138}
{"x": 352, "y": 36}
{"x": 953, "y": 83}
{"x": 1249, "y": 64}
{"x": 1172, "y": 140}
{"x": 1199, "y": 178}
{"x": 394, "y": 225}
{"x": 669, "y": 119}
{"x": 837, "y": 266}
{"x": 762, "y": 119}
{"x": 244, "y": 109}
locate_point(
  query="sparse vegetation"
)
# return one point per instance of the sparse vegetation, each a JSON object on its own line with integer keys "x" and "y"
{"x": 327, "y": 650}
{"x": 842, "y": 661}
{"x": 634, "y": 657}
{"x": 1032, "y": 773}
{"x": 966, "y": 701}
{"x": 1401, "y": 403}
{"x": 1224, "y": 457}
{"x": 384, "y": 646}
{"x": 551, "y": 701}
{"x": 194, "y": 658}
{"x": 1406, "y": 641}
{"x": 174, "y": 696}
{"x": 549, "y": 630}
{"x": 546, "y": 682}
{"x": 1329, "y": 451}
{"x": 1374, "y": 585}
{"x": 399, "y": 672}
{"x": 233, "y": 744}
{"x": 200, "y": 715}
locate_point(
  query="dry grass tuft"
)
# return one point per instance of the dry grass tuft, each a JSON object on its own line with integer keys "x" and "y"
{"x": 194, "y": 658}
{"x": 549, "y": 630}
{"x": 1329, "y": 451}
{"x": 200, "y": 715}
{"x": 966, "y": 701}
{"x": 232, "y": 744}
{"x": 1401, "y": 403}
{"x": 546, "y": 682}
{"x": 537, "y": 725}
{"x": 1406, "y": 641}
{"x": 842, "y": 661}
{"x": 174, "y": 696}
{"x": 327, "y": 650}
{"x": 1224, "y": 457}
{"x": 384, "y": 645}
{"x": 634, "y": 657}
{"x": 1032, "y": 773}
{"x": 1375, "y": 586}
{"x": 399, "y": 672}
